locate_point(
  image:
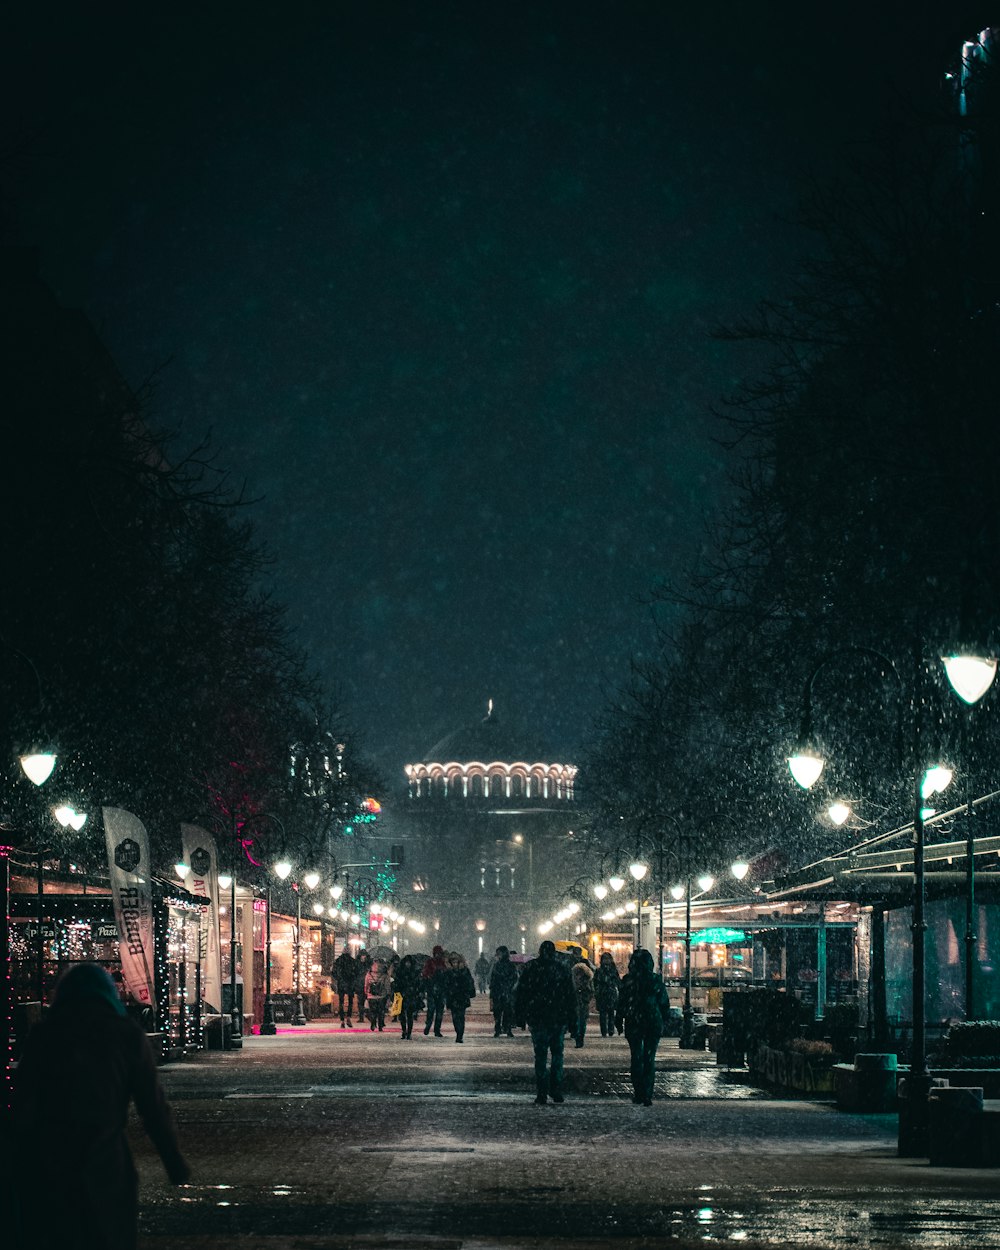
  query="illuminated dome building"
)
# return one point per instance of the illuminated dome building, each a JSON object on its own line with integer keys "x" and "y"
{"x": 490, "y": 827}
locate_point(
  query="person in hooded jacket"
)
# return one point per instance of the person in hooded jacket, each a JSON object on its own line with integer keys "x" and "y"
{"x": 82, "y": 1065}
{"x": 459, "y": 991}
{"x": 433, "y": 974}
{"x": 362, "y": 967}
{"x": 643, "y": 1006}
{"x": 410, "y": 987}
{"x": 503, "y": 983}
{"x": 607, "y": 983}
{"x": 377, "y": 988}
{"x": 546, "y": 1002}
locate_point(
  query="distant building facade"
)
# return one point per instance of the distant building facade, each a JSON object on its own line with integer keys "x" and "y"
{"x": 490, "y": 826}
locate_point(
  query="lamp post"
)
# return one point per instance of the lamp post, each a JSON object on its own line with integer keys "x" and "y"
{"x": 970, "y": 676}
{"x": 520, "y": 840}
{"x": 37, "y": 766}
{"x": 269, "y": 1026}
{"x": 970, "y": 679}
{"x": 310, "y": 880}
{"x": 228, "y": 880}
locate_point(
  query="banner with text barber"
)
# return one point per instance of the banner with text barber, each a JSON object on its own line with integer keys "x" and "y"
{"x": 128, "y": 863}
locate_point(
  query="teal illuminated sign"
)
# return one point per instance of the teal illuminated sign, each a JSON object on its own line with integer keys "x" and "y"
{"x": 718, "y": 937}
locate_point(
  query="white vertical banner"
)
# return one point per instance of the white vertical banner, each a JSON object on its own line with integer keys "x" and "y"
{"x": 202, "y": 858}
{"x": 131, "y": 891}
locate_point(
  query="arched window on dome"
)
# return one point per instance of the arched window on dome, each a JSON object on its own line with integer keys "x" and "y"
{"x": 496, "y": 786}
{"x": 517, "y": 786}
{"x": 476, "y": 785}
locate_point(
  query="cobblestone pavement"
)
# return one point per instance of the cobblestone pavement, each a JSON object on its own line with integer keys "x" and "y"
{"x": 322, "y": 1137}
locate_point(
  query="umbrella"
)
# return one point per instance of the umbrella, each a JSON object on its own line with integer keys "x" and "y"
{"x": 384, "y": 953}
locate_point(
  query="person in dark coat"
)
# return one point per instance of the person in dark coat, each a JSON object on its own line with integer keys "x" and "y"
{"x": 362, "y": 967}
{"x": 482, "y": 973}
{"x": 82, "y": 1065}
{"x": 409, "y": 985}
{"x": 433, "y": 974}
{"x": 459, "y": 991}
{"x": 643, "y": 1006}
{"x": 377, "y": 989}
{"x": 344, "y": 976}
{"x": 503, "y": 983}
{"x": 606, "y": 986}
{"x": 546, "y": 1002}
{"x": 582, "y": 975}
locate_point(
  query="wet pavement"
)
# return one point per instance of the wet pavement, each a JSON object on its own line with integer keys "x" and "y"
{"x": 329, "y": 1137}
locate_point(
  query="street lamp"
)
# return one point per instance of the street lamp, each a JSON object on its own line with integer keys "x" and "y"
{"x": 970, "y": 677}
{"x": 311, "y": 880}
{"x": 37, "y": 766}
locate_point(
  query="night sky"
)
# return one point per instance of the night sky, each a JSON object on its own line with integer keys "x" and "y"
{"x": 439, "y": 279}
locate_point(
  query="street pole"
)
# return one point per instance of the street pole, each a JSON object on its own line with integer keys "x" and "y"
{"x": 235, "y": 1009}
{"x": 970, "y": 912}
{"x": 659, "y": 944}
{"x": 300, "y": 1015}
{"x": 914, "y": 1109}
{"x": 7, "y": 1002}
{"x": 39, "y": 940}
{"x": 686, "y": 1026}
{"x": 268, "y": 1026}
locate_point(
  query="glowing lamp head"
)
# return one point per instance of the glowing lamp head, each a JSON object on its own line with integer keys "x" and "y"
{"x": 282, "y": 870}
{"x": 336, "y": 891}
{"x": 935, "y": 780}
{"x": 739, "y": 869}
{"x": 637, "y": 871}
{"x": 311, "y": 880}
{"x": 600, "y": 891}
{"x": 705, "y": 882}
{"x": 838, "y": 813}
{"x": 37, "y": 766}
{"x": 677, "y": 892}
{"x": 805, "y": 767}
{"x": 616, "y": 883}
{"x": 225, "y": 881}
{"x": 970, "y": 675}
{"x": 182, "y": 870}
{"x": 318, "y": 909}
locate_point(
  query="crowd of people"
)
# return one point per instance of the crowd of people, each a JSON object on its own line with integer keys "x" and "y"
{"x": 87, "y": 1061}
{"x": 550, "y": 996}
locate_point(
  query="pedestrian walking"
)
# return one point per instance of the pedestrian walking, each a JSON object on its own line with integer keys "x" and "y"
{"x": 343, "y": 974}
{"x": 607, "y": 982}
{"x": 362, "y": 966}
{"x": 482, "y": 971}
{"x": 409, "y": 986}
{"x": 433, "y": 974}
{"x": 545, "y": 1001}
{"x": 643, "y": 1006}
{"x": 377, "y": 988}
{"x": 503, "y": 983}
{"x": 459, "y": 991}
{"x": 583, "y": 987}
{"x": 82, "y": 1065}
